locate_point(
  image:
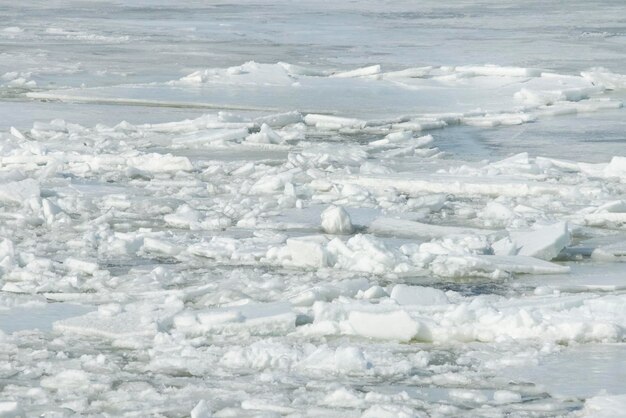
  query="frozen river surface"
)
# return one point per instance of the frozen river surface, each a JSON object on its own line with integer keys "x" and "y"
{"x": 285, "y": 208}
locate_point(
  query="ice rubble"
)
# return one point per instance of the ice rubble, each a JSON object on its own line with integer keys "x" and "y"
{"x": 311, "y": 172}
{"x": 197, "y": 268}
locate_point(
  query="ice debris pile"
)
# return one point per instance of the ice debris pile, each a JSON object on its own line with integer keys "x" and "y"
{"x": 227, "y": 259}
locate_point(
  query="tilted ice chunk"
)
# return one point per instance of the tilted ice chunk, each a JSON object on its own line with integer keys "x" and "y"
{"x": 16, "y": 133}
{"x": 418, "y": 295}
{"x": 279, "y": 120}
{"x": 411, "y": 229}
{"x": 52, "y": 213}
{"x": 308, "y": 251}
{"x": 359, "y": 72}
{"x": 523, "y": 264}
{"x": 504, "y": 246}
{"x": 396, "y": 325}
{"x": 481, "y": 265}
{"x": 82, "y": 266}
{"x": 616, "y": 168}
{"x": 335, "y": 220}
{"x": 333, "y": 122}
{"x": 19, "y": 191}
{"x": 545, "y": 242}
{"x": 201, "y": 410}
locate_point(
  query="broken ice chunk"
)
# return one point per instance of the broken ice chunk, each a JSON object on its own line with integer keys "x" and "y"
{"x": 418, "y": 295}
{"x": 279, "y": 120}
{"x": 265, "y": 136}
{"x": 253, "y": 318}
{"x": 335, "y": 220}
{"x": 308, "y": 251}
{"x": 103, "y": 325}
{"x": 616, "y": 168}
{"x": 19, "y": 191}
{"x": 332, "y": 122}
{"x": 396, "y": 325}
{"x": 522, "y": 264}
{"x": 82, "y": 266}
{"x": 201, "y": 410}
{"x": 411, "y": 229}
{"x": 544, "y": 242}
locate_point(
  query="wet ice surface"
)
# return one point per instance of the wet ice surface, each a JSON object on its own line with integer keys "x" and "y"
{"x": 603, "y": 365}
{"x": 39, "y": 317}
{"x": 290, "y": 209}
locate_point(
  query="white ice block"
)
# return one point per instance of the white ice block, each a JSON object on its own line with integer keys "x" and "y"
{"x": 308, "y": 251}
{"x": 335, "y": 220}
{"x": 545, "y": 242}
{"x": 418, "y": 295}
{"x": 397, "y": 325}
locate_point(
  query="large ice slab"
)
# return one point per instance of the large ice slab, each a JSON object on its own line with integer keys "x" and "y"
{"x": 544, "y": 242}
{"x": 396, "y": 325}
{"x": 255, "y": 318}
{"x": 411, "y": 229}
{"x": 418, "y": 295}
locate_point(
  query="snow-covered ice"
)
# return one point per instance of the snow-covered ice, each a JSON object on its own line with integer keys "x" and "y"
{"x": 408, "y": 209}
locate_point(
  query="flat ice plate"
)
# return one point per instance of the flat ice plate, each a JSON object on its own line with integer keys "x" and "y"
{"x": 38, "y": 317}
{"x": 599, "y": 367}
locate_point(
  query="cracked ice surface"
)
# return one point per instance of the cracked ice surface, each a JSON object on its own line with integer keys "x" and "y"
{"x": 271, "y": 237}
